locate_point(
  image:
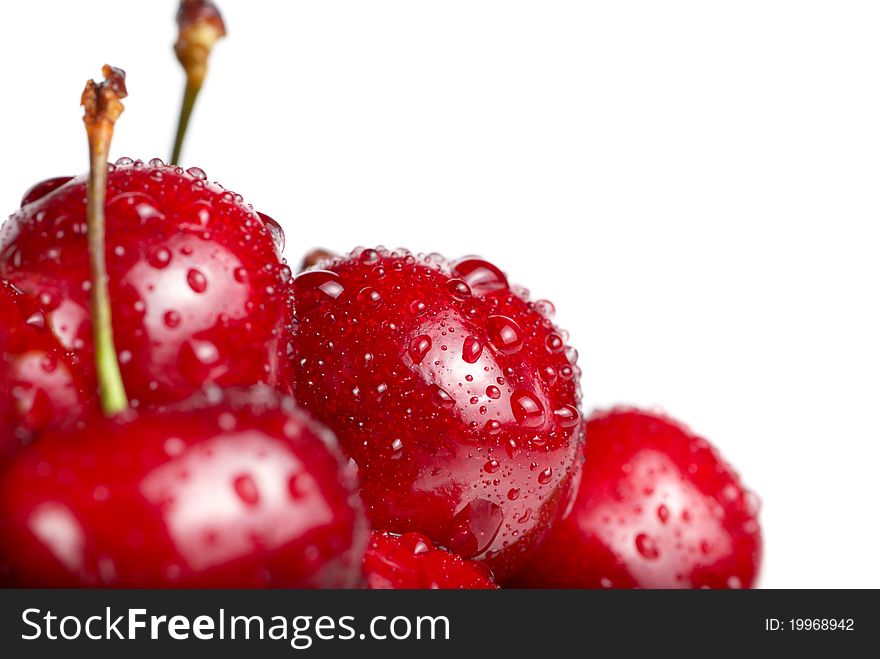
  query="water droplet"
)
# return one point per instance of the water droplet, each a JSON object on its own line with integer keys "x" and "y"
{"x": 493, "y": 392}
{"x": 527, "y": 409}
{"x": 36, "y": 319}
{"x": 513, "y": 494}
{"x": 646, "y": 546}
{"x": 419, "y": 347}
{"x": 548, "y": 375}
{"x": 441, "y": 397}
{"x": 197, "y": 359}
{"x": 174, "y": 446}
{"x": 734, "y": 583}
{"x": 471, "y": 349}
{"x": 505, "y": 334}
{"x": 197, "y": 173}
{"x": 458, "y": 289}
{"x": 275, "y": 231}
{"x": 421, "y": 546}
{"x": 492, "y": 427}
{"x": 48, "y": 301}
{"x": 491, "y": 466}
{"x": 567, "y": 416}
{"x": 545, "y": 476}
{"x": 481, "y": 276}
{"x": 474, "y": 527}
{"x": 730, "y": 492}
{"x": 753, "y": 503}
{"x": 554, "y": 343}
{"x": 297, "y": 486}
{"x": 159, "y": 258}
{"x": 314, "y": 288}
{"x": 369, "y": 297}
{"x": 196, "y": 280}
{"x": 397, "y": 448}
{"x": 171, "y": 318}
{"x": 369, "y": 256}
{"x": 226, "y": 421}
{"x": 545, "y": 308}
{"x": 246, "y": 489}
{"x": 663, "y": 513}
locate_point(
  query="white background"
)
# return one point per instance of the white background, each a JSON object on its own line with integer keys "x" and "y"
{"x": 694, "y": 184}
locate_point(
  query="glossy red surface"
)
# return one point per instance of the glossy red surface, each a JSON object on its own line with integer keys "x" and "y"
{"x": 657, "y": 508}
{"x": 245, "y": 491}
{"x": 197, "y": 286}
{"x": 454, "y": 394}
{"x": 411, "y": 561}
{"x": 41, "y": 384}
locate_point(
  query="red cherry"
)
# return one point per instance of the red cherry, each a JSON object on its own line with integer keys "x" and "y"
{"x": 410, "y": 561}
{"x": 41, "y": 385}
{"x": 245, "y": 491}
{"x": 657, "y": 508}
{"x": 196, "y": 281}
{"x": 444, "y": 386}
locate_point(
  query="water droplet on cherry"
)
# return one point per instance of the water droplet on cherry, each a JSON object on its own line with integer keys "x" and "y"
{"x": 481, "y": 276}
{"x": 646, "y": 546}
{"x": 471, "y": 349}
{"x": 527, "y": 409}
{"x": 505, "y": 334}
{"x": 419, "y": 347}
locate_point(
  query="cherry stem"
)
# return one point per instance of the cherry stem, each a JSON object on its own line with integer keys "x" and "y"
{"x": 200, "y": 27}
{"x": 102, "y": 103}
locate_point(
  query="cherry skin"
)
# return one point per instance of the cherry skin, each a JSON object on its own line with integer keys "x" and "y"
{"x": 196, "y": 279}
{"x": 234, "y": 489}
{"x": 454, "y": 394}
{"x": 411, "y": 561}
{"x": 41, "y": 384}
{"x": 657, "y": 508}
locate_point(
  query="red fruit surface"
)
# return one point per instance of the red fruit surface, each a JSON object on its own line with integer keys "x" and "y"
{"x": 411, "y": 561}
{"x": 246, "y": 491}
{"x": 455, "y": 395}
{"x": 196, "y": 281}
{"x": 41, "y": 384}
{"x": 657, "y": 508}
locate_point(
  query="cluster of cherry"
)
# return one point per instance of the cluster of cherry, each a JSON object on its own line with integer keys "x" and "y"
{"x": 153, "y": 344}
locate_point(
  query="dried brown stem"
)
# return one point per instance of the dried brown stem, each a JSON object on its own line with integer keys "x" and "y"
{"x": 314, "y": 257}
{"x": 200, "y": 27}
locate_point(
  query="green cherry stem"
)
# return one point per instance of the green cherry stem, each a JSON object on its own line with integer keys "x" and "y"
{"x": 102, "y": 104}
{"x": 200, "y": 27}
